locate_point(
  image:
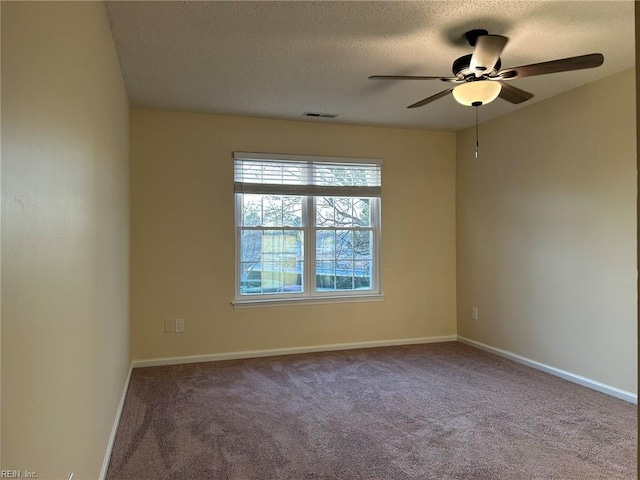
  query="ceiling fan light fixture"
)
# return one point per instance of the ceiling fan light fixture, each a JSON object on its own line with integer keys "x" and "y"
{"x": 477, "y": 93}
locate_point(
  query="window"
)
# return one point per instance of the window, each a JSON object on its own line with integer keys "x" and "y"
{"x": 307, "y": 228}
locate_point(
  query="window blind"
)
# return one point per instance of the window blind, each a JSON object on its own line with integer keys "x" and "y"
{"x": 268, "y": 174}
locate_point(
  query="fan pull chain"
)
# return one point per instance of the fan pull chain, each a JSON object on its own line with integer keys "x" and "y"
{"x": 477, "y": 142}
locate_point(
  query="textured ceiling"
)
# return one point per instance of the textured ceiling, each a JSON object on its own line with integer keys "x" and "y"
{"x": 280, "y": 59}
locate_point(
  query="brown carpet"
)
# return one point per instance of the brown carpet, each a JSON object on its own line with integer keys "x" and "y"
{"x": 438, "y": 411}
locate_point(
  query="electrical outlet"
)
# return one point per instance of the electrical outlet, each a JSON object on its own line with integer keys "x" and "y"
{"x": 179, "y": 325}
{"x": 474, "y": 313}
{"x": 169, "y": 326}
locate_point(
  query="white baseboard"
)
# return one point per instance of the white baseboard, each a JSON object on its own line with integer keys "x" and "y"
{"x": 216, "y": 357}
{"x": 114, "y": 429}
{"x": 572, "y": 377}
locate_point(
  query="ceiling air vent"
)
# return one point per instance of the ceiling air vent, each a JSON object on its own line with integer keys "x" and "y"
{"x": 319, "y": 115}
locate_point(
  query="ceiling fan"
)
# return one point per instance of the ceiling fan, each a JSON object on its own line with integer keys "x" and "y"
{"x": 479, "y": 77}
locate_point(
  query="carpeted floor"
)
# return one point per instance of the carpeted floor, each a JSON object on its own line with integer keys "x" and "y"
{"x": 437, "y": 411}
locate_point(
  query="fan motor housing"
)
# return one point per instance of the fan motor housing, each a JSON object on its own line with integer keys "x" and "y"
{"x": 461, "y": 67}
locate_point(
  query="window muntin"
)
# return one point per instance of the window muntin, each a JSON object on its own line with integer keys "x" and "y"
{"x": 293, "y": 244}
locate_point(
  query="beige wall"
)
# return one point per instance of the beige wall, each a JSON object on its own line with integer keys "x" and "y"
{"x": 65, "y": 347}
{"x": 182, "y": 237}
{"x": 546, "y": 232}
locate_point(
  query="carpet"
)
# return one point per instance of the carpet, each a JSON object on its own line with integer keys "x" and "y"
{"x": 437, "y": 411}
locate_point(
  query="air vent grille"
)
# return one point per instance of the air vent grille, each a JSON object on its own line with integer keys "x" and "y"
{"x": 319, "y": 115}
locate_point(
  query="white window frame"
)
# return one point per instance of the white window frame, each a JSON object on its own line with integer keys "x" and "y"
{"x": 310, "y": 295}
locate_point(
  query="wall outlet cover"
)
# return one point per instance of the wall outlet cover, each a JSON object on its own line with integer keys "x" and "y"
{"x": 179, "y": 325}
{"x": 169, "y": 326}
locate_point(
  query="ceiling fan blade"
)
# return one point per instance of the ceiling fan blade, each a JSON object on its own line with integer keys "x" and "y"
{"x": 563, "y": 65}
{"x": 407, "y": 77}
{"x": 486, "y": 54}
{"x": 513, "y": 94}
{"x": 430, "y": 99}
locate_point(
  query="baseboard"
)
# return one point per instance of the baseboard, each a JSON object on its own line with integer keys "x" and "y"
{"x": 572, "y": 377}
{"x": 216, "y": 357}
{"x": 114, "y": 429}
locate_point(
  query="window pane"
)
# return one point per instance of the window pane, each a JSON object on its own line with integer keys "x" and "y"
{"x": 325, "y": 275}
{"x": 325, "y": 244}
{"x": 324, "y": 212}
{"x": 344, "y": 244}
{"x": 343, "y": 212}
{"x": 252, "y": 210}
{"x": 362, "y": 211}
{"x": 291, "y": 211}
{"x": 251, "y": 246}
{"x": 363, "y": 244}
{"x": 344, "y": 276}
{"x": 362, "y": 275}
{"x": 271, "y": 211}
{"x": 292, "y": 277}
{"x": 271, "y": 277}
{"x": 250, "y": 278}
{"x": 272, "y": 261}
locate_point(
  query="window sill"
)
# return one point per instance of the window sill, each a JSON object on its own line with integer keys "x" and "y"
{"x": 289, "y": 302}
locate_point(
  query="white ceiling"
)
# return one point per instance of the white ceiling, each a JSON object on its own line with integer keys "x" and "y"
{"x": 280, "y": 59}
